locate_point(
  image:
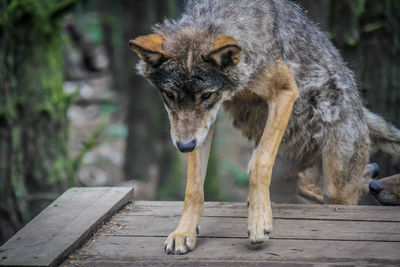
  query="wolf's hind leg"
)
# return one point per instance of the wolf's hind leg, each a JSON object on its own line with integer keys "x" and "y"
{"x": 183, "y": 239}
{"x": 343, "y": 164}
{"x": 277, "y": 86}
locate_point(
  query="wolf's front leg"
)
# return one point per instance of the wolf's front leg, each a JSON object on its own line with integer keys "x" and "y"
{"x": 183, "y": 239}
{"x": 277, "y": 86}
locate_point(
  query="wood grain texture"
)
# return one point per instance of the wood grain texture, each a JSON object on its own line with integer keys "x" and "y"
{"x": 141, "y": 249}
{"x": 280, "y": 211}
{"x": 216, "y": 227}
{"x": 63, "y": 226}
{"x": 303, "y": 235}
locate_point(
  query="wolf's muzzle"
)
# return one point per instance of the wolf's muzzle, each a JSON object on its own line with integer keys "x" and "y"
{"x": 375, "y": 187}
{"x": 186, "y": 147}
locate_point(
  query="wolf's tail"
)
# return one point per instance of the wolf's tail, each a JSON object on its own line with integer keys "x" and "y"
{"x": 383, "y": 134}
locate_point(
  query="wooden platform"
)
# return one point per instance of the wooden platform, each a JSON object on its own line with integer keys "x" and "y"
{"x": 63, "y": 226}
{"x": 303, "y": 235}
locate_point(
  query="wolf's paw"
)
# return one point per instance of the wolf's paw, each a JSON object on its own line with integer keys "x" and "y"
{"x": 260, "y": 225}
{"x": 179, "y": 243}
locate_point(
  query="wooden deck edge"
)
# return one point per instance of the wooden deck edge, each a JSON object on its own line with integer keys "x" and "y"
{"x": 63, "y": 226}
{"x": 128, "y": 197}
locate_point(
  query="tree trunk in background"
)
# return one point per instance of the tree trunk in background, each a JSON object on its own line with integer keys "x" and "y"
{"x": 34, "y": 160}
{"x": 367, "y": 33}
{"x": 149, "y": 153}
{"x": 148, "y": 139}
{"x": 147, "y": 142}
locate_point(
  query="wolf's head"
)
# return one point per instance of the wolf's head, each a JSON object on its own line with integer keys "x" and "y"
{"x": 386, "y": 190}
{"x": 194, "y": 74}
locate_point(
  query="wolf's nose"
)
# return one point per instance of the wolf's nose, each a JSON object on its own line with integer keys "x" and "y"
{"x": 186, "y": 147}
{"x": 376, "y": 169}
{"x": 375, "y": 187}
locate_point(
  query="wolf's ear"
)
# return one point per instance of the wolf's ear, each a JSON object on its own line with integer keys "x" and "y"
{"x": 225, "y": 52}
{"x": 149, "y": 48}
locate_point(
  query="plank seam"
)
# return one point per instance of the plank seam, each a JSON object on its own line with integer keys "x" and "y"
{"x": 280, "y": 218}
{"x": 272, "y": 238}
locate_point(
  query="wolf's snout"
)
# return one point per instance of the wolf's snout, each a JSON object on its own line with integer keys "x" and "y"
{"x": 375, "y": 187}
{"x": 186, "y": 147}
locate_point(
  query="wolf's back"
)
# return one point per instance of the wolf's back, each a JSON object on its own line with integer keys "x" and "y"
{"x": 383, "y": 134}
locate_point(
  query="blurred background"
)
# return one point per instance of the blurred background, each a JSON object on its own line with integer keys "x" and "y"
{"x": 73, "y": 111}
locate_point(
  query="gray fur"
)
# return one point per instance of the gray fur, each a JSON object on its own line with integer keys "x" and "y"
{"x": 383, "y": 134}
{"x": 328, "y": 114}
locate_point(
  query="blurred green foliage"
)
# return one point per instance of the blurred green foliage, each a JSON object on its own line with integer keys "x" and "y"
{"x": 117, "y": 130}
{"x": 348, "y": 19}
{"x": 238, "y": 175}
{"x": 172, "y": 187}
{"x": 91, "y": 142}
{"x": 213, "y": 191}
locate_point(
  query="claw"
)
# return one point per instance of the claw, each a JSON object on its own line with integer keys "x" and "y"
{"x": 170, "y": 251}
{"x": 179, "y": 243}
{"x": 197, "y": 230}
{"x": 266, "y": 232}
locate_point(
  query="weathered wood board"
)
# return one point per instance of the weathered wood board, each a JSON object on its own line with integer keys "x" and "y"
{"x": 303, "y": 235}
{"x": 281, "y": 211}
{"x": 63, "y": 226}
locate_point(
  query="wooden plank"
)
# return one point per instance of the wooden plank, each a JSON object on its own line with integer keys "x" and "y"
{"x": 280, "y": 211}
{"x": 136, "y": 235}
{"x": 206, "y": 263}
{"x": 121, "y": 249}
{"x": 283, "y": 228}
{"x": 63, "y": 226}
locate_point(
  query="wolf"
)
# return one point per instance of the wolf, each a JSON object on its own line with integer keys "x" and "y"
{"x": 386, "y": 190}
{"x": 287, "y": 89}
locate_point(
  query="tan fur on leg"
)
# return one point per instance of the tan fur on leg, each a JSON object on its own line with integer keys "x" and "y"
{"x": 341, "y": 173}
{"x": 277, "y": 86}
{"x": 310, "y": 185}
{"x": 183, "y": 239}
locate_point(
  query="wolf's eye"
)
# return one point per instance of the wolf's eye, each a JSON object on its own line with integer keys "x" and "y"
{"x": 169, "y": 95}
{"x": 205, "y": 96}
